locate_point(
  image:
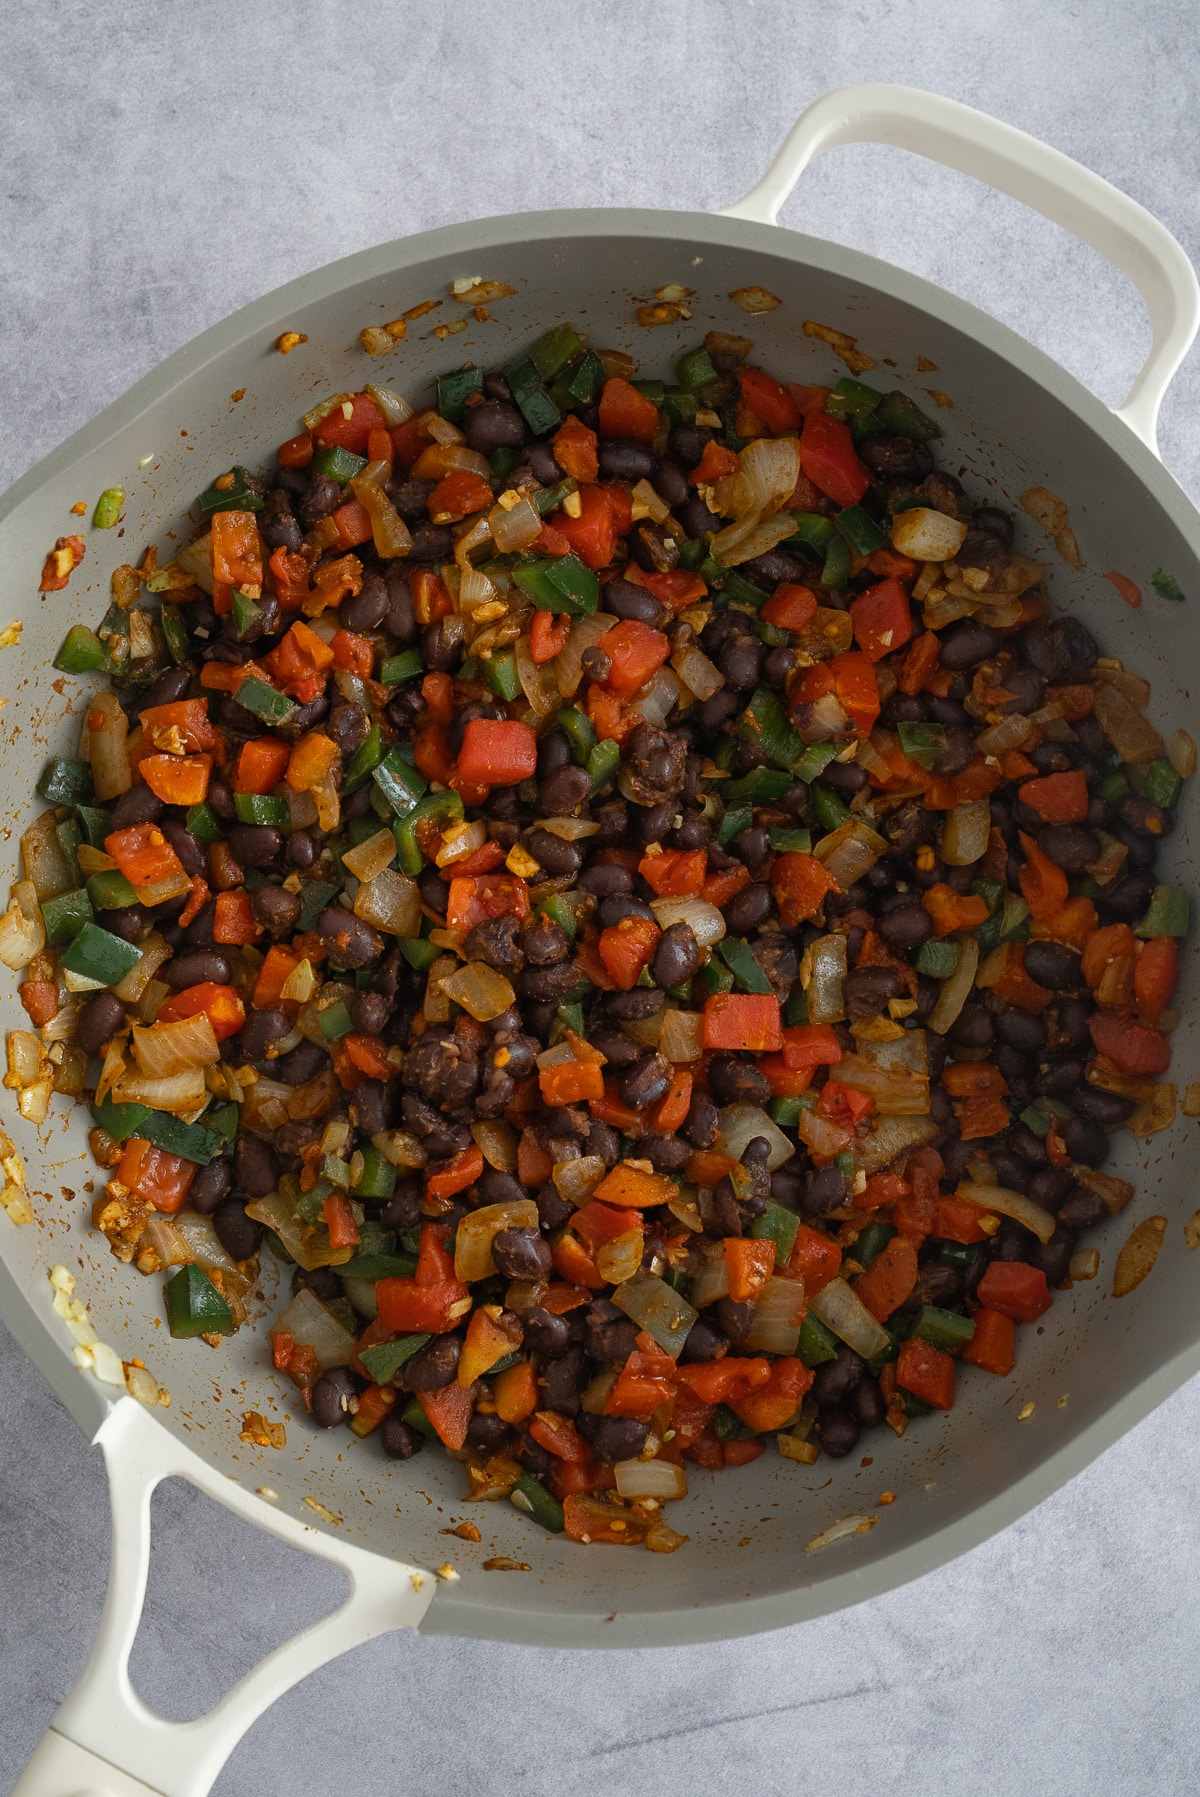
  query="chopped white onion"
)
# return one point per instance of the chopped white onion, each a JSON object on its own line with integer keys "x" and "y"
{"x": 22, "y": 932}
{"x": 890, "y": 1137}
{"x": 541, "y": 695}
{"x": 897, "y": 1091}
{"x": 704, "y": 920}
{"x": 850, "y": 851}
{"x": 43, "y": 860}
{"x": 567, "y": 667}
{"x": 169, "y": 1048}
{"x": 372, "y": 856}
{"x": 657, "y": 1308}
{"x": 1008, "y": 734}
{"x": 390, "y": 901}
{"x": 311, "y": 1325}
{"x": 926, "y": 535}
{"x": 697, "y": 672}
{"x": 176, "y": 1092}
{"x": 395, "y": 408}
{"x": 740, "y": 1123}
{"x": 620, "y": 1258}
{"x": 108, "y": 746}
{"x": 576, "y": 1180}
{"x": 778, "y": 1314}
{"x": 459, "y": 841}
{"x": 825, "y": 964}
{"x": 965, "y": 833}
{"x": 658, "y": 1478}
{"x": 682, "y": 1036}
{"x": 515, "y": 527}
{"x": 660, "y": 696}
{"x": 1016, "y": 1205}
{"x": 478, "y": 1229}
{"x": 955, "y": 989}
{"x": 710, "y": 1281}
{"x": 839, "y": 1309}
{"x": 481, "y": 991}
{"x": 742, "y": 542}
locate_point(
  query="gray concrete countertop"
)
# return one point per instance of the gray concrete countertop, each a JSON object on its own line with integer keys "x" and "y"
{"x": 163, "y": 166}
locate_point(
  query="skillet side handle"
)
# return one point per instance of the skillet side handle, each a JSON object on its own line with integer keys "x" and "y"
{"x": 103, "y": 1740}
{"x": 1060, "y": 189}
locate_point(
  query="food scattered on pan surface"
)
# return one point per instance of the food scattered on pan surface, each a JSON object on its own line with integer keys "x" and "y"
{"x": 624, "y": 890}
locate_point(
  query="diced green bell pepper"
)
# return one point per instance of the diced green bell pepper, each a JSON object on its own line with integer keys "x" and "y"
{"x": 695, "y": 370}
{"x": 779, "y": 1225}
{"x": 714, "y": 977}
{"x": 813, "y": 531}
{"x": 175, "y": 633}
{"x": 81, "y": 652}
{"x": 436, "y": 807}
{"x": 453, "y": 391}
{"x": 339, "y": 464}
{"x": 365, "y": 759}
{"x": 560, "y": 912}
{"x": 246, "y": 612}
{"x": 558, "y": 584}
{"x": 815, "y": 758}
{"x": 108, "y": 508}
{"x": 66, "y": 781}
{"x": 859, "y": 530}
{"x": 65, "y": 915}
{"x": 548, "y": 499}
{"x": 786, "y": 1111}
{"x": 265, "y": 701}
{"x": 110, "y": 891}
{"x": 943, "y": 1329}
{"x": 384, "y": 1360}
{"x": 194, "y": 1141}
{"x": 761, "y": 786}
{"x": 555, "y": 350}
{"x": 1036, "y": 1119}
{"x": 401, "y": 784}
{"x": 936, "y": 959}
{"x": 923, "y": 743}
{"x": 532, "y": 1499}
{"x": 580, "y": 730}
{"x": 418, "y": 952}
{"x": 1114, "y": 786}
{"x": 1161, "y": 784}
{"x": 97, "y": 954}
{"x": 195, "y": 1306}
{"x": 873, "y": 1239}
{"x": 502, "y": 461}
{"x": 736, "y": 819}
{"x": 95, "y": 822}
{"x": 1166, "y": 585}
{"x": 314, "y": 896}
{"x": 796, "y": 1009}
{"x": 1167, "y": 914}
{"x": 500, "y": 672}
{"x": 261, "y": 808}
{"x": 398, "y": 668}
{"x": 580, "y": 385}
{"x": 852, "y": 399}
{"x": 900, "y": 415}
{"x": 70, "y": 841}
{"x": 415, "y": 1417}
{"x": 602, "y": 763}
{"x": 764, "y": 723}
{"x": 790, "y": 842}
{"x": 817, "y": 1344}
{"x": 240, "y": 497}
{"x": 377, "y": 1178}
{"x": 202, "y": 823}
{"x": 335, "y": 1021}
{"x": 830, "y": 811}
{"x": 748, "y": 975}
{"x": 534, "y": 402}
{"x": 836, "y": 571}
{"x": 726, "y": 1425}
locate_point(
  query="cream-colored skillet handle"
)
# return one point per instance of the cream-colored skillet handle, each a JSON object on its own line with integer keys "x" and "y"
{"x": 104, "y": 1741}
{"x": 1051, "y": 183}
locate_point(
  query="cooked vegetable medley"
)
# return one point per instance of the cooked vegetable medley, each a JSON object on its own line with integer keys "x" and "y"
{"x": 625, "y": 889}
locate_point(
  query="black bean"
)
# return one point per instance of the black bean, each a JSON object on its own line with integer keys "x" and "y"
{"x": 435, "y": 1366}
{"x": 1052, "y": 964}
{"x": 834, "y": 1380}
{"x": 195, "y": 970}
{"x": 1054, "y": 1256}
{"x": 260, "y": 1030}
{"x": 561, "y": 1380}
{"x": 732, "y": 1080}
{"x": 615, "y": 1438}
{"x": 555, "y": 856}
{"x": 633, "y": 1006}
{"x": 700, "y": 1124}
{"x": 612, "y": 911}
{"x": 331, "y": 1396}
{"x": 521, "y": 1254}
{"x": 493, "y": 426}
{"x": 254, "y": 845}
{"x": 1086, "y": 1141}
{"x": 741, "y": 663}
{"x": 621, "y": 458}
{"x": 348, "y": 727}
{"x": 1059, "y": 649}
{"x": 824, "y": 1191}
{"x": 867, "y": 990}
{"x": 211, "y": 1184}
{"x": 655, "y": 547}
{"x": 403, "y": 1208}
{"x": 624, "y": 600}
{"x": 657, "y": 759}
{"x": 487, "y": 1432}
{"x": 399, "y": 1440}
{"x": 895, "y": 458}
{"x": 398, "y": 620}
{"x": 237, "y": 1233}
{"x": 666, "y": 1154}
{"x": 1081, "y": 1209}
{"x": 545, "y": 942}
{"x": 906, "y": 927}
{"x": 646, "y": 1081}
{"x": 670, "y": 482}
{"x": 972, "y": 1028}
{"x": 276, "y": 909}
{"x": 350, "y": 941}
{"x": 255, "y": 1168}
{"x": 549, "y": 985}
{"x": 546, "y": 1335}
{"x": 188, "y": 848}
{"x": 130, "y": 923}
{"x": 300, "y": 1064}
{"x": 611, "y": 1335}
{"x": 1021, "y": 1030}
{"x": 605, "y": 878}
{"x": 969, "y": 645}
{"x": 323, "y": 497}
{"x": 1109, "y": 1109}
{"x": 676, "y": 957}
{"x": 432, "y": 543}
{"x": 867, "y": 1404}
{"x": 837, "y": 1432}
{"x": 1059, "y": 1077}
{"x": 938, "y": 1283}
{"x": 735, "y": 1319}
{"x": 748, "y": 908}
{"x": 301, "y": 850}
{"x": 1069, "y": 846}
{"x": 99, "y": 1019}
{"x": 137, "y": 806}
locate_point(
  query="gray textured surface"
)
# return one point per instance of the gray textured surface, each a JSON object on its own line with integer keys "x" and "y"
{"x": 161, "y": 168}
